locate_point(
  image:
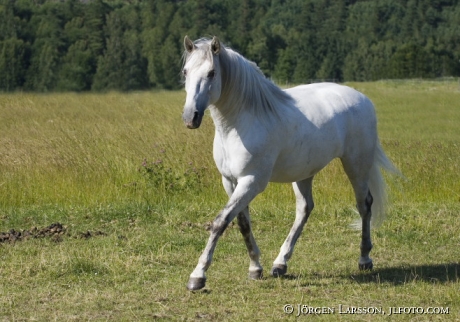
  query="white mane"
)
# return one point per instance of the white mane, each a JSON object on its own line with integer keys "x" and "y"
{"x": 243, "y": 83}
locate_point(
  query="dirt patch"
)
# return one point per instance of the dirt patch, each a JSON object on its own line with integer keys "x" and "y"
{"x": 88, "y": 234}
{"x": 55, "y": 232}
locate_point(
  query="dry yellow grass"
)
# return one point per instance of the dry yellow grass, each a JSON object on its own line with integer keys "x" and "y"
{"x": 92, "y": 162}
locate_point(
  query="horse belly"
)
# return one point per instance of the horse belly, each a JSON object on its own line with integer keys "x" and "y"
{"x": 300, "y": 165}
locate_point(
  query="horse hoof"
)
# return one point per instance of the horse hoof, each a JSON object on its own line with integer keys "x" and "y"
{"x": 256, "y": 275}
{"x": 196, "y": 283}
{"x": 278, "y": 270}
{"x": 366, "y": 267}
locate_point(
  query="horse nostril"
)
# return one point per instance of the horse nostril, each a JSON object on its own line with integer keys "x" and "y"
{"x": 192, "y": 116}
{"x": 196, "y": 121}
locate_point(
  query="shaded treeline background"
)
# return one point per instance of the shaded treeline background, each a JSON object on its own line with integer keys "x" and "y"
{"x": 128, "y": 45}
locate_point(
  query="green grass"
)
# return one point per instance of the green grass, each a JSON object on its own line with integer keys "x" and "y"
{"x": 125, "y": 165}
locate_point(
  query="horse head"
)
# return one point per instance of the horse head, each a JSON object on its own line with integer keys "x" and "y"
{"x": 202, "y": 78}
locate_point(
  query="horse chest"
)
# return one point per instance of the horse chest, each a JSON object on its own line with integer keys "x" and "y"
{"x": 227, "y": 160}
{"x": 235, "y": 157}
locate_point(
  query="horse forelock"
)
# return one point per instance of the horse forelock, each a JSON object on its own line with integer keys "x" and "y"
{"x": 201, "y": 53}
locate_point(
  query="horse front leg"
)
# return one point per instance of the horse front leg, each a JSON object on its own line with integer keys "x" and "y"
{"x": 246, "y": 190}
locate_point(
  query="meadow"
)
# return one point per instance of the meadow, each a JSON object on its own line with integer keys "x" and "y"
{"x": 136, "y": 191}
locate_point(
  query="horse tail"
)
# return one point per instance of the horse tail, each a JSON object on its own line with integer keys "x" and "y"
{"x": 378, "y": 188}
{"x": 377, "y": 185}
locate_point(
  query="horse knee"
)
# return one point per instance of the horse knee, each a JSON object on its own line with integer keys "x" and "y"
{"x": 364, "y": 206}
{"x": 219, "y": 225}
{"x": 369, "y": 200}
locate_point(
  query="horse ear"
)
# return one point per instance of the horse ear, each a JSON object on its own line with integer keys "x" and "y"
{"x": 188, "y": 44}
{"x": 215, "y": 45}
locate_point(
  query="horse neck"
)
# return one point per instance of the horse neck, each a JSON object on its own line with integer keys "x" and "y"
{"x": 226, "y": 119}
{"x": 235, "y": 79}
{"x": 246, "y": 93}
{"x": 228, "y": 110}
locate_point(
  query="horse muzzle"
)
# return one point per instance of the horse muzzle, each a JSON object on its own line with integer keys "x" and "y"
{"x": 193, "y": 121}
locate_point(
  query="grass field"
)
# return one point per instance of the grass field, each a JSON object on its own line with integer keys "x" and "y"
{"x": 135, "y": 191}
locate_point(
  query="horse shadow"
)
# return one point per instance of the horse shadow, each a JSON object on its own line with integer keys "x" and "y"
{"x": 399, "y": 275}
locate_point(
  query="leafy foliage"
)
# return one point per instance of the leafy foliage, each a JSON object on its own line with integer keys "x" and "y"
{"x": 129, "y": 45}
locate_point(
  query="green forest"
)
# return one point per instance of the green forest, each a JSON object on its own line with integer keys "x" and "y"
{"x": 133, "y": 45}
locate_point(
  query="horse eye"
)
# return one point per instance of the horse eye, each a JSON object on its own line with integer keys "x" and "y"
{"x": 211, "y": 73}
{"x": 184, "y": 72}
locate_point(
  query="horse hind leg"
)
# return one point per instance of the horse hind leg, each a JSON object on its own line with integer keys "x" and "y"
{"x": 304, "y": 206}
{"x": 364, "y": 208}
{"x": 359, "y": 180}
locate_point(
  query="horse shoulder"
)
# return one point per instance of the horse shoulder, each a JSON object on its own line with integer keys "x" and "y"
{"x": 239, "y": 152}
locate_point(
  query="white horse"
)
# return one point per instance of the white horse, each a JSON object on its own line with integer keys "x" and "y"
{"x": 264, "y": 134}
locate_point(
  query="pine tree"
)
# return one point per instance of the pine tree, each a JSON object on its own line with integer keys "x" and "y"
{"x": 76, "y": 70}
{"x": 12, "y": 71}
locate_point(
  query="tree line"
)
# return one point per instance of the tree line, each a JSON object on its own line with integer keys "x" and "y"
{"x": 133, "y": 45}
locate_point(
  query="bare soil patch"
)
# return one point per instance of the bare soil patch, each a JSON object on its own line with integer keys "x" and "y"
{"x": 56, "y": 232}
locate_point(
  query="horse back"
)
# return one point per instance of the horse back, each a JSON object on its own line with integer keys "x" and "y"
{"x": 324, "y": 101}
